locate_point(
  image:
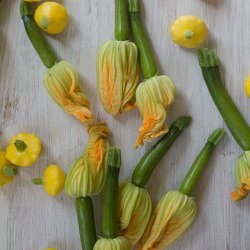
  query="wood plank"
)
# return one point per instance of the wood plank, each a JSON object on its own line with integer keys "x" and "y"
{"x": 30, "y": 219}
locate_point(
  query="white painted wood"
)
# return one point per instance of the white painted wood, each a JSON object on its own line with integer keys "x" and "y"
{"x": 31, "y": 220}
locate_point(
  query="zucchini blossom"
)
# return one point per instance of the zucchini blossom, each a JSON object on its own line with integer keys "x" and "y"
{"x": 119, "y": 243}
{"x": 63, "y": 85}
{"x": 134, "y": 210}
{"x": 171, "y": 218}
{"x": 153, "y": 98}
{"x": 118, "y": 76}
{"x": 242, "y": 177}
{"x": 88, "y": 174}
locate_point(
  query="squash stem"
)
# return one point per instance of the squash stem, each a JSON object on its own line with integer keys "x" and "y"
{"x": 197, "y": 167}
{"x": 147, "y": 60}
{"x": 209, "y": 63}
{"x": 9, "y": 171}
{"x": 109, "y": 218}
{"x": 86, "y": 222}
{"x": 38, "y": 181}
{"x": 121, "y": 20}
{"x": 149, "y": 161}
{"x": 20, "y": 145}
{"x": 39, "y": 43}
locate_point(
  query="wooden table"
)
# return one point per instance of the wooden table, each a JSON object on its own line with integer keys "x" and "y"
{"x": 29, "y": 219}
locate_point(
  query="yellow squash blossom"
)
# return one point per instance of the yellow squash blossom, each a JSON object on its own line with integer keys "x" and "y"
{"x": 134, "y": 210}
{"x": 189, "y": 31}
{"x": 53, "y": 180}
{"x": 51, "y": 17}
{"x": 153, "y": 98}
{"x": 7, "y": 171}
{"x": 171, "y": 218}
{"x": 63, "y": 85}
{"x": 88, "y": 174}
{"x": 118, "y": 76}
{"x": 242, "y": 176}
{"x": 24, "y": 149}
{"x": 119, "y": 243}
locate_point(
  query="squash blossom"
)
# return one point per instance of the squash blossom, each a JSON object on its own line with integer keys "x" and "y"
{"x": 88, "y": 174}
{"x": 134, "y": 210}
{"x": 119, "y": 243}
{"x": 171, "y": 218}
{"x": 153, "y": 98}
{"x": 242, "y": 177}
{"x": 63, "y": 85}
{"x": 118, "y": 76}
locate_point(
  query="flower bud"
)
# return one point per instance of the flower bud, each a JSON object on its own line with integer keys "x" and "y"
{"x": 62, "y": 84}
{"x": 134, "y": 210}
{"x": 119, "y": 243}
{"x": 88, "y": 174}
{"x": 171, "y": 218}
{"x": 118, "y": 76}
{"x": 153, "y": 98}
{"x": 242, "y": 177}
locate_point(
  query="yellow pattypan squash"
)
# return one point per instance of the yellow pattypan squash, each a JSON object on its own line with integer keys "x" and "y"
{"x": 51, "y": 17}
{"x": 189, "y": 31}
{"x": 53, "y": 180}
{"x": 23, "y": 150}
{"x": 7, "y": 171}
{"x": 247, "y": 86}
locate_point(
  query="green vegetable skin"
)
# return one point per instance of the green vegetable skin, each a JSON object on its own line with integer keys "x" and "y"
{"x": 121, "y": 20}
{"x": 209, "y": 63}
{"x": 147, "y": 60}
{"x": 149, "y": 161}
{"x": 110, "y": 192}
{"x": 197, "y": 167}
{"x": 41, "y": 46}
{"x": 86, "y": 222}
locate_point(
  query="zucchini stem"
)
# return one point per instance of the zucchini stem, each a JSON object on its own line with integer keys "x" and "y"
{"x": 197, "y": 167}
{"x": 109, "y": 218}
{"x": 86, "y": 222}
{"x": 209, "y": 63}
{"x": 39, "y": 43}
{"x": 149, "y": 161}
{"x": 121, "y": 20}
{"x": 147, "y": 60}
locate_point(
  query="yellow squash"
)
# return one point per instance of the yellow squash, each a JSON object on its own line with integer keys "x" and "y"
{"x": 53, "y": 180}
{"x": 7, "y": 171}
{"x": 24, "y": 149}
{"x": 51, "y": 17}
{"x": 189, "y": 31}
{"x": 247, "y": 86}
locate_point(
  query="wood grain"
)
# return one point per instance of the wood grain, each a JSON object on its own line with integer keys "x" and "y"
{"x": 31, "y": 220}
